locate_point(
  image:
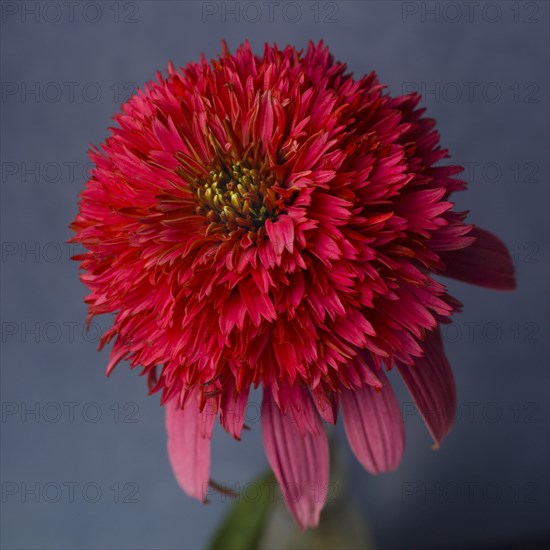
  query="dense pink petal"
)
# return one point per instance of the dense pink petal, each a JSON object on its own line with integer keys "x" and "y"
{"x": 263, "y": 218}
{"x": 273, "y": 221}
{"x": 300, "y": 462}
{"x": 188, "y": 450}
{"x": 431, "y": 384}
{"x": 374, "y": 428}
{"x": 486, "y": 262}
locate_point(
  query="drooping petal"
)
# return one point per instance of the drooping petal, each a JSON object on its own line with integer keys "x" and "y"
{"x": 188, "y": 450}
{"x": 233, "y": 409}
{"x": 431, "y": 384}
{"x": 300, "y": 462}
{"x": 485, "y": 263}
{"x": 373, "y": 424}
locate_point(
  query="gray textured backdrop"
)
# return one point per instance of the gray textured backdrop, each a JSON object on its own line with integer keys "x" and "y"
{"x": 64, "y": 73}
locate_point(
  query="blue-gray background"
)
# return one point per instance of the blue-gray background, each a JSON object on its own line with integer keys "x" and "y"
{"x": 64, "y": 73}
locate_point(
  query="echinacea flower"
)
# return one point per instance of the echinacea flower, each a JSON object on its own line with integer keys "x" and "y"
{"x": 271, "y": 221}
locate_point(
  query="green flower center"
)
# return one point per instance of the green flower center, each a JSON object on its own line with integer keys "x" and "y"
{"x": 237, "y": 196}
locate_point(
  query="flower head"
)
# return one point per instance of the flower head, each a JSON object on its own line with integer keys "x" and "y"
{"x": 271, "y": 221}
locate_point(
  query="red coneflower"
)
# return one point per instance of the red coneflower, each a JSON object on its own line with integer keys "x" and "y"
{"x": 272, "y": 221}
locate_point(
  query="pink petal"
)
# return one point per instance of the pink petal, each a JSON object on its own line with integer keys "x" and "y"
{"x": 300, "y": 462}
{"x": 297, "y": 397}
{"x": 266, "y": 119}
{"x": 118, "y": 352}
{"x": 188, "y": 450}
{"x": 327, "y": 405}
{"x": 281, "y": 234}
{"x": 373, "y": 424}
{"x": 431, "y": 384}
{"x": 486, "y": 262}
{"x": 233, "y": 409}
